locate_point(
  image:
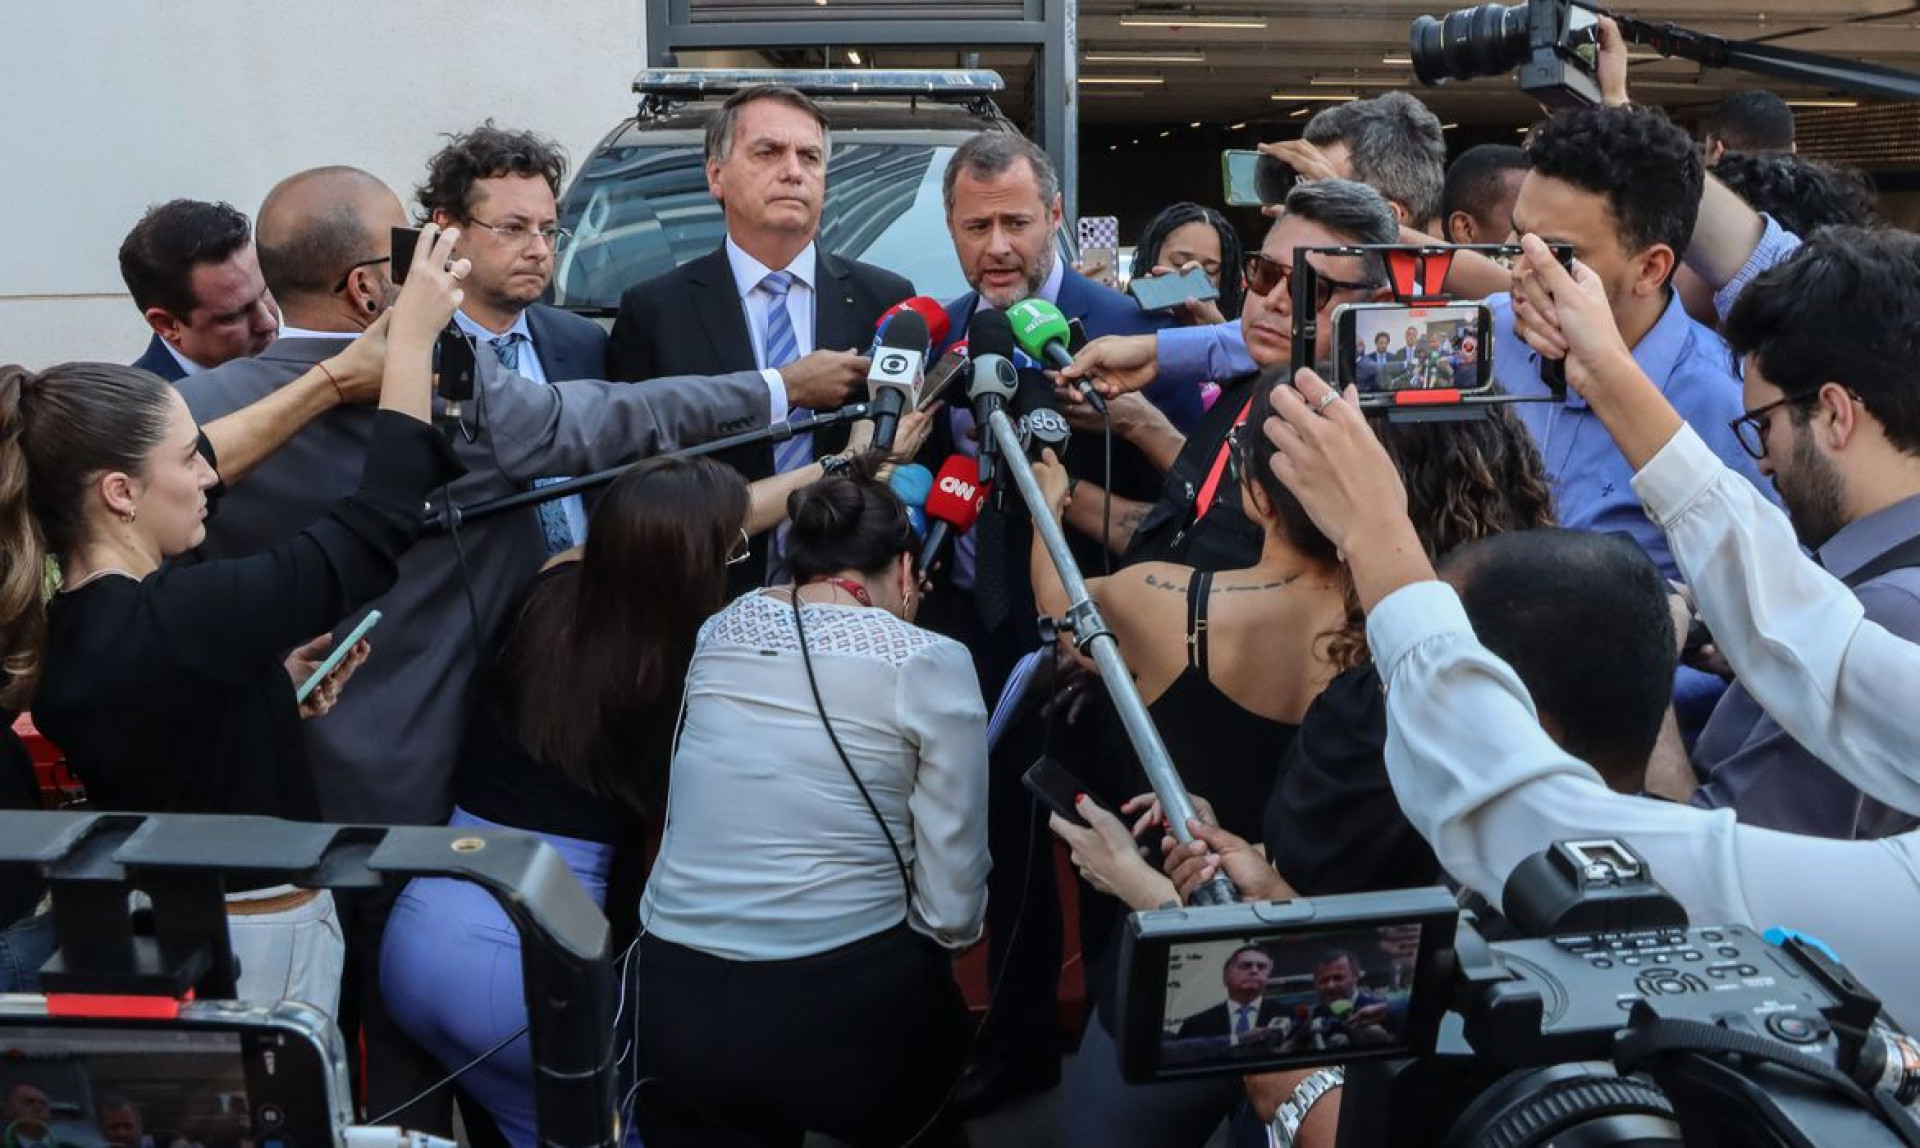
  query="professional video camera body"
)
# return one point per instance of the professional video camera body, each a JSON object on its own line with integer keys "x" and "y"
{"x": 1613, "y": 1023}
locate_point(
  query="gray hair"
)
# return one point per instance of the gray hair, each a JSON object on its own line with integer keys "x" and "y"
{"x": 719, "y": 143}
{"x": 1354, "y": 211}
{"x": 1395, "y": 144}
{"x": 991, "y": 153}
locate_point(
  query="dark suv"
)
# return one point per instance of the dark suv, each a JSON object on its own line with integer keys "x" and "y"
{"x": 640, "y": 206}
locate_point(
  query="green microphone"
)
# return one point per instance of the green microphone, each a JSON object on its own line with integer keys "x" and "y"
{"x": 1041, "y": 331}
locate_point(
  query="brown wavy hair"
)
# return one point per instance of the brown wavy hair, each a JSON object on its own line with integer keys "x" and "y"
{"x": 594, "y": 666}
{"x": 1465, "y": 481}
{"x": 60, "y": 429}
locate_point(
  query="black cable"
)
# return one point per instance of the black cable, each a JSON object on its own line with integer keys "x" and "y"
{"x": 456, "y": 1074}
{"x": 806, "y": 658}
{"x": 1106, "y": 506}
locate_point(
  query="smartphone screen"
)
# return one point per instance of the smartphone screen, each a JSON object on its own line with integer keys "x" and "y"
{"x": 404, "y": 239}
{"x": 1388, "y": 347}
{"x": 1160, "y": 292}
{"x": 1253, "y": 180}
{"x": 1055, "y": 787}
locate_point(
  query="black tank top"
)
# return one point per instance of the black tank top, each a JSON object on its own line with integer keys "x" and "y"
{"x": 1224, "y": 751}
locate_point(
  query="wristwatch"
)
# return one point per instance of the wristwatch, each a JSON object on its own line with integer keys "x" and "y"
{"x": 832, "y": 464}
{"x": 1285, "y": 1125}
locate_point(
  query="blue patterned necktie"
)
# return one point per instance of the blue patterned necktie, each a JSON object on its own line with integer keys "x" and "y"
{"x": 555, "y": 530}
{"x": 783, "y": 348}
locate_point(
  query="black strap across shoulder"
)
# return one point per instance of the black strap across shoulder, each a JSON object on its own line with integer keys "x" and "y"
{"x": 1199, "y": 588}
{"x": 1901, "y": 557}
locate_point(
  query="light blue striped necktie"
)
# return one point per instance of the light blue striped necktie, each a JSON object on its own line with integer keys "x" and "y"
{"x": 783, "y": 348}
{"x": 555, "y": 530}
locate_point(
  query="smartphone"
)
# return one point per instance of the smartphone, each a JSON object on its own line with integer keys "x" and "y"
{"x": 1383, "y": 348}
{"x": 948, "y": 369}
{"x": 336, "y": 656}
{"x": 1163, "y": 292}
{"x": 214, "y": 1073}
{"x": 1250, "y": 179}
{"x": 1099, "y": 242}
{"x": 404, "y": 240}
{"x": 1053, "y": 786}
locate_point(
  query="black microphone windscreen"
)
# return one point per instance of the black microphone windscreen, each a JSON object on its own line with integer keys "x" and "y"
{"x": 989, "y": 333}
{"x": 906, "y": 331}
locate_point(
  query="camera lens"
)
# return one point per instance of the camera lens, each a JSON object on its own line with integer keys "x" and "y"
{"x": 1486, "y": 41}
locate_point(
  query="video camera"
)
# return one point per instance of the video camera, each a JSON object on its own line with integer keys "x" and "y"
{"x": 1436, "y": 363}
{"x": 1613, "y": 1022}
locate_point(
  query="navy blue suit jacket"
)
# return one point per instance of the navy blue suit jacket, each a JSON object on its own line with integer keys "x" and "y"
{"x": 569, "y": 346}
{"x": 160, "y": 361}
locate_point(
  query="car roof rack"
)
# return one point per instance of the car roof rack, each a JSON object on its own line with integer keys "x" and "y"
{"x": 663, "y": 89}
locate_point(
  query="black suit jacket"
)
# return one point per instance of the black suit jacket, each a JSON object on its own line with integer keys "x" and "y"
{"x": 689, "y": 321}
{"x": 1214, "y": 1021}
{"x": 569, "y": 346}
{"x": 160, "y": 361}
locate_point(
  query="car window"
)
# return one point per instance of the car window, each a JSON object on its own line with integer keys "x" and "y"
{"x": 639, "y": 211}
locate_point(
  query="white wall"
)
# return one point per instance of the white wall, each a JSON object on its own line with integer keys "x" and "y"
{"x": 112, "y": 105}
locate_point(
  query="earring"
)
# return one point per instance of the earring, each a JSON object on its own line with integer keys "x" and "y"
{"x": 129, "y": 516}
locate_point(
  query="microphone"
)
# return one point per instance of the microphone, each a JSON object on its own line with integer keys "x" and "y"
{"x": 1042, "y": 331}
{"x": 929, "y": 310}
{"x": 994, "y": 380}
{"x": 1044, "y": 428}
{"x": 913, "y": 483}
{"x": 893, "y": 381}
{"x": 953, "y": 505}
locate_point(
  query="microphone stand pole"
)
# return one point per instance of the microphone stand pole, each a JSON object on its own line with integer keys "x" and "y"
{"x": 445, "y": 519}
{"x": 1090, "y": 633}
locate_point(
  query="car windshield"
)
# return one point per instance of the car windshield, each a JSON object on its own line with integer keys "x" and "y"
{"x": 637, "y": 212}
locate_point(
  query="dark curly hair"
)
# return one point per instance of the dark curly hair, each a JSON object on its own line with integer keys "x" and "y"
{"x": 1645, "y": 165}
{"x": 1171, "y": 219}
{"x": 1845, "y": 309}
{"x": 1804, "y": 195}
{"x": 1465, "y": 481}
{"x": 158, "y": 256}
{"x": 850, "y": 521}
{"x": 486, "y": 152}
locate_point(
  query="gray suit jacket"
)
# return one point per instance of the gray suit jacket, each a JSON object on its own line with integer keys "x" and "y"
{"x": 387, "y": 751}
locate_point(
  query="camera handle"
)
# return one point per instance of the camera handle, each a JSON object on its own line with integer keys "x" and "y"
{"x": 1712, "y": 51}
{"x": 1091, "y": 635}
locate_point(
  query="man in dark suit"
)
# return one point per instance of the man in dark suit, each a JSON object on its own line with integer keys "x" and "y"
{"x": 192, "y": 271}
{"x": 1246, "y": 1013}
{"x": 768, "y": 298}
{"x": 500, "y": 188}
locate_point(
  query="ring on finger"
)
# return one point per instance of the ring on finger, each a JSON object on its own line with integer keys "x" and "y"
{"x": 1326, "y": 400}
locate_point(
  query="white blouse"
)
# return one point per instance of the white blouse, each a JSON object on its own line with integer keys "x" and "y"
{"x": 769, "y": 851}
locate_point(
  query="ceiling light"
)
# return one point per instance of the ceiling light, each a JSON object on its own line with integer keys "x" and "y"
{"x": 1145, "y": 57}
{"x": 1297, "y": 113}
{"x": 1236, "y": 127}
{"x": 1164, "y": 135}
{"x": 1319, "y": 97}
{"x": 853, "y": 56}
{"x": 1355, "y": 82}
{"x": 1823, "y": 103}
{"x": 1194, "y": 124}
{"x": 1448, "y": 127}
{"x": 1398, "y": 61}
{"x": 1123, "y": 79}
{"x": 1188, "y": 22}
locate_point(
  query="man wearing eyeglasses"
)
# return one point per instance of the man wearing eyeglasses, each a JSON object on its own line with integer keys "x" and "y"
{"x": 1833, "y": 419}
{"x": 500, "y": 188}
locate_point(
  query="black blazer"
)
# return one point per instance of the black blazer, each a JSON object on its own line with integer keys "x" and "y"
{"x": 1214, "y": 1021}
{"x": 689, "y": 321}
{"x": 157, "y": 359}
{"x": 569, "y": 346}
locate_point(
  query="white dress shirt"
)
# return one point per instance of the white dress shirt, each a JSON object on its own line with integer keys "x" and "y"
{"x": 528, "y": 367}
{"x": 1486, "y": 786}
{"x": 769, "y": 851}
{"x": 747, "y": 274}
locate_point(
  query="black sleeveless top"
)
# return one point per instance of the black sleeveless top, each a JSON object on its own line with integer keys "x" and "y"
{"x": 1224, "y": 751}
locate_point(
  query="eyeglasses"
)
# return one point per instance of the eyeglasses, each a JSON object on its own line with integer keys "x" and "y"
{"x": 1264, "y": 274}
{"x": 342, "y": 285}
{"x": 740, "y": 551}
{"x": 517, "y": 234}
{"x": 1751, "y": 427}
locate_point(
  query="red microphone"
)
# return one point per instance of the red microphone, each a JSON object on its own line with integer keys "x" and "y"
{"x": 953, "y": 505}
{"x": 929, "y": 309}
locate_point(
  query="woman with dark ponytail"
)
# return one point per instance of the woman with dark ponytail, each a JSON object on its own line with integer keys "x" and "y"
{"x": 170, "y": 689}
{"x": 825, "y": 851}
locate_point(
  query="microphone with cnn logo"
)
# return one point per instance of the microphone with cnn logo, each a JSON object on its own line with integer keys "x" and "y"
{"x": 953, "y": 506}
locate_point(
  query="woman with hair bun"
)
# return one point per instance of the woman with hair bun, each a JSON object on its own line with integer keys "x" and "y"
{"x": 824, "y": 853}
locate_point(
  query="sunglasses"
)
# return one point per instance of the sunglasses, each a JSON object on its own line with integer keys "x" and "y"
{"x": 1264, "y": 274}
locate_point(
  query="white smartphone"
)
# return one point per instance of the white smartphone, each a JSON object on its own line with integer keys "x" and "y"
{"x": 338, "y": 655}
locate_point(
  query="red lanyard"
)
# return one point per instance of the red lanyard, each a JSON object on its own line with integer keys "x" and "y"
{"x": 1204, "y": 502}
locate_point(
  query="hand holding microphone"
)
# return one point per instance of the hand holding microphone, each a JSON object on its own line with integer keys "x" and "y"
{"x": 893, "y": 378}
{"x": 953, "y": 506}
{"x": 1042, "y": 331}
{"x": 993, "y": 380}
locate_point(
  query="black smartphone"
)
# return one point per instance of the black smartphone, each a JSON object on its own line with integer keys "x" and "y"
{"x": 1387, "y": 347}
{"x": 405, "y": 240}
{"x": 1250, "y": 179}
{"x": 1055, "y": 787}
{"x": 1162, "y": 292}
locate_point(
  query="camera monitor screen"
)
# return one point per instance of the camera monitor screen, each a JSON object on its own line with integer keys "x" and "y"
{"x": 71, "y": 1083}
{"x": 1260, "y": 998}
{"x": 1388, "y": 347}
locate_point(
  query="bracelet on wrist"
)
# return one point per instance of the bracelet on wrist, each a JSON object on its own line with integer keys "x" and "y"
{"x": 1284, "y": 1128}
{"x": 835, "y": 464}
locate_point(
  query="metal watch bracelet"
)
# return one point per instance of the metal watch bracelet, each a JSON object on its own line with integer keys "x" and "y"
{"x": 1285, "y": 1125}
